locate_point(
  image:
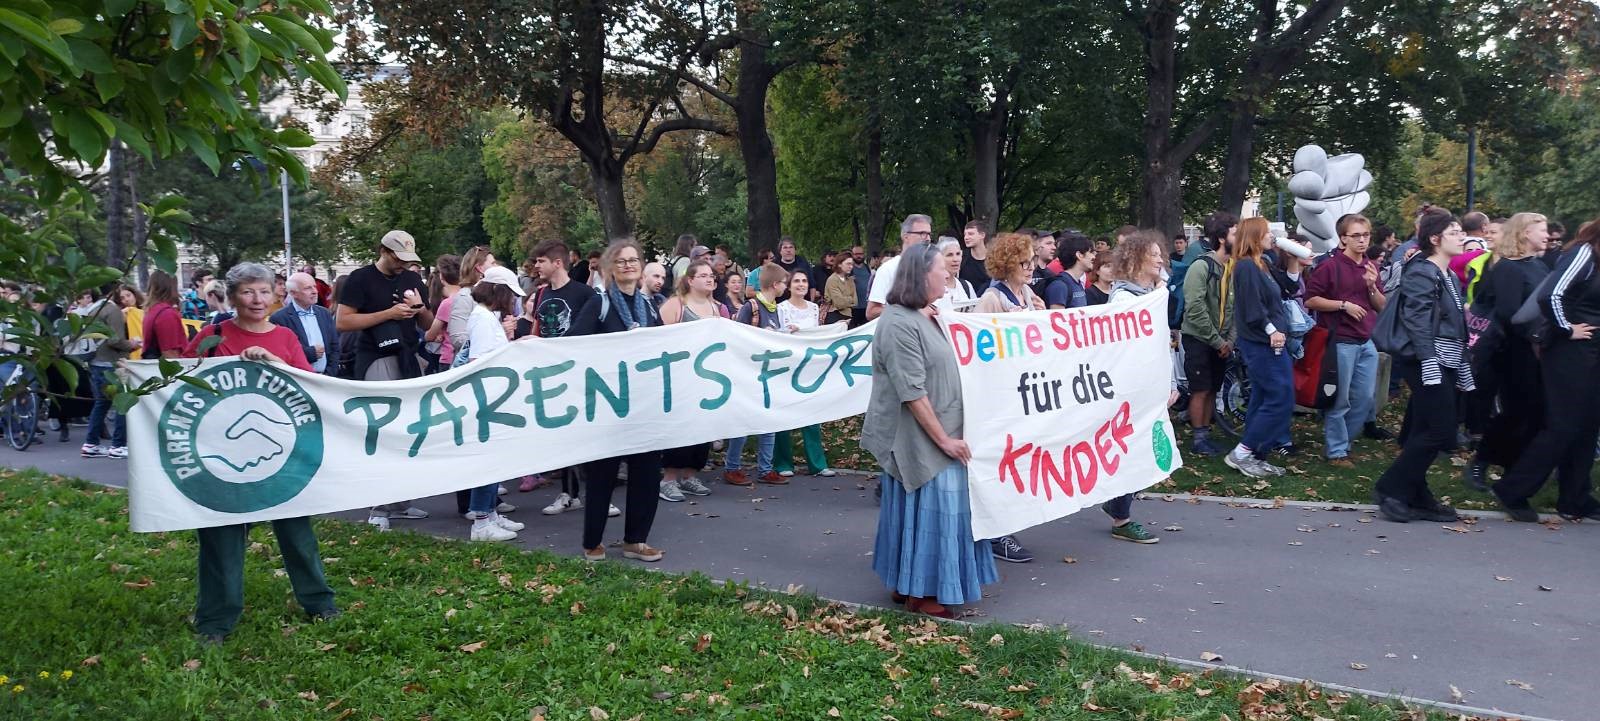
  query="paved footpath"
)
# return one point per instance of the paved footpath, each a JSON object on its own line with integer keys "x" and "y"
{"x": 1506, "y": 613}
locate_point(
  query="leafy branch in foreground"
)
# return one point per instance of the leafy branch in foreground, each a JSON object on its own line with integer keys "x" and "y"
{"x": 164, "y": 79}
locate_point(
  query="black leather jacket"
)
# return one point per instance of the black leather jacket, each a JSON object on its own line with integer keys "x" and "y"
{"x": 1427, "y": 312}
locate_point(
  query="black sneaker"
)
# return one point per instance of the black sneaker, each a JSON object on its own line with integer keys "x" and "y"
{"x": 1476, "y": 476}
{"x": 1439, "y": 513}
{"x": 1006, "y": 548}
{"x": 1286, "y": 451}
{"x": 1520, "y": 512}
{"x": 1393, "y": 509}
{"x": 327, "y": 614}
{"x": 1377, "y": 432}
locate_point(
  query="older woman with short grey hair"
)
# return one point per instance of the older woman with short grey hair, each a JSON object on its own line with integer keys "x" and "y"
{"x": 252, "y": 337}
{"x": 960, "y": 293}
{"x": 924, "y": 549}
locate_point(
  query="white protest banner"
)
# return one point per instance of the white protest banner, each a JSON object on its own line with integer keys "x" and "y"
{"x": 1064, "y": 409}
{"x": 275, "y": 442}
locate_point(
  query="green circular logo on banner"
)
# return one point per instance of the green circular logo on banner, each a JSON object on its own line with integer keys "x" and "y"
{"x": 253, "y": 445}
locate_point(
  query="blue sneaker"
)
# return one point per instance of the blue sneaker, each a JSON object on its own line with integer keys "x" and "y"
{"x": 1203, "y": 446}
{"x": 1006, "y": 548}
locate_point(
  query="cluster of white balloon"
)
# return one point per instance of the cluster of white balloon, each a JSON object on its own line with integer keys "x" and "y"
{"x": 1326, "y": 189}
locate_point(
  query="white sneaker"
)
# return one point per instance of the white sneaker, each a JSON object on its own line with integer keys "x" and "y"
{"x": 486, "y": 530}
{"x": 563, "y": 504}
{"x": 381, "y": 522}
{"x": 1247, "y": 465}
{"x": 786, "y": 474}
{"x": 693, "y": 487}
{"x": 613, "y": 511}
{"x": 505, "y": 508}
{"x": 411, "y": 512}
{"x": 118, "y": 452}
{"x": 827, "y": 473}
{"x": 670, "y": 492}
{"x": 501, "y": 491}
{"x": 505, "y": 523}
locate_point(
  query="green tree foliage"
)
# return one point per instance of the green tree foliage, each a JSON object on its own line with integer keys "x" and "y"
{"x": 163, "y": 78}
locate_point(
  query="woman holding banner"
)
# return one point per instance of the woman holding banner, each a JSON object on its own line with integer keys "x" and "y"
{"x": 1136, "y": 263}
{"x": 692, "y": 302}
{"x": 622, "y": 306}
{"x": 489, "y": 325}
{"x": 220, "y": 601}
{"x": 1010, "y": 263}
{"x": 924, "y": 549}
{"x": 796, "y": 314}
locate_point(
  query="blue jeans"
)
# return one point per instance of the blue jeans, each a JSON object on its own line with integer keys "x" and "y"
{"x": 1266, "y": 422}
{"x": 1352, "y": 403}
{"x": 104, "y": 376}
{"x": 763, "y": 453}
{"x": 1119, "y": 508}
{"x": 484, "y": 499}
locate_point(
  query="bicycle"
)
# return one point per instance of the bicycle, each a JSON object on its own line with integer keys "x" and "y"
{"x": 20, "y": 414}
{"x": 1233, "y": 398}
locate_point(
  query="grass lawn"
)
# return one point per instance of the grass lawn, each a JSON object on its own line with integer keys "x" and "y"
{"x": 93, "y": 625}
{"x": 1310, "y": 477}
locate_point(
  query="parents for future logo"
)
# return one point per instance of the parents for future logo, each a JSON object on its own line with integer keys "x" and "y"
{"x": 254, "y": 444}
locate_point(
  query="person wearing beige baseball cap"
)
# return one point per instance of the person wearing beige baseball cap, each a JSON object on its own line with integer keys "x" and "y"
{"x": 402, "y": 245}
{"x": 380, "y": 310}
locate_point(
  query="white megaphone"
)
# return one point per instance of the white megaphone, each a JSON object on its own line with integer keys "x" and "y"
{"x": 1292, "y": 248}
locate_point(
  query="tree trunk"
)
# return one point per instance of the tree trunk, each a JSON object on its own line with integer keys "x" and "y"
{"x": 875, "y": 211}
{"x": 607, "y": 179}
{"x": 1241, "y": 143}
{"x": 988, "y": 132}
{"x": 116, "y": 206}
{"x": 1160, "y": 203}
{"x": 763, "y": 217}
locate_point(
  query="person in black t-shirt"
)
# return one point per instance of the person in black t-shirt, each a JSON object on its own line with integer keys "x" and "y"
{"x": 557, "y": 304}
{"x": 975, "y": 250}
{"x": 789, "y": 261}
{"x": 1044, "y": 251}
{"x": 382, "y": 304}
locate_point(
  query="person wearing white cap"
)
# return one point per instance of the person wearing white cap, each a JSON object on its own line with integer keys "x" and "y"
{"x": 381, "y": 307}
{"x": 494, "y": 317}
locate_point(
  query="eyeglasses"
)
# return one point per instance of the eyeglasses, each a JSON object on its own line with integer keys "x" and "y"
{"x": 1359, "y": 236}
{"x": 622, "y": 262}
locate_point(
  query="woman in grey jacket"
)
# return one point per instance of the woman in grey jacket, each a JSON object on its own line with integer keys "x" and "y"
{"x": 1433, "y": 363}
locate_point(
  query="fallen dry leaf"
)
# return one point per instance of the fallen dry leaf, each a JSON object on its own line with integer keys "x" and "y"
{"x": 1358, "y": 666}
{"x": 1456, "y": 529}
{"x": 450, "y": 613}
{"x": 968, "y": 669}
{"x": 703, "y": 643}
{"x": 308, "y": 695}
{"x": 144, "y": 582}
{"x": 1090, "y": 706}
{"x": 1069, "y": 559}
{"x": 473, "y": 647}
{"x": 1173, "y": 528}
{"x": 997, "y": 640}
{"x": 598, "y": 714}
{"x": 328, "y": 647}
{"x": 191, "y": 664}
{"x": 1545, "y": 588}
{"x": 1502, "y": 578}
{"x": 895, "y": 672}
{"x": 1455, "y": 694}
{"x": 1519, "y": 684}
{"x": 91, "y": 661}
{"x": 833, "y": 712}
{"x": 1203, "y": 692}
{"x": 1210, "y": 657}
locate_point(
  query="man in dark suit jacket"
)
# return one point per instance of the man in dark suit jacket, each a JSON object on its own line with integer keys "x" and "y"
{"x": 311, "y": 323}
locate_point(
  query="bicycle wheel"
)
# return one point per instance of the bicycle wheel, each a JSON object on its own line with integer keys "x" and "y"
{"x": 22, "y": 420}
{"x": 1233, "y": 399}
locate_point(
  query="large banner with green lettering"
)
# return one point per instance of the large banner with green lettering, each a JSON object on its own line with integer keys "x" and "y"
{"x": 274, "y": 442}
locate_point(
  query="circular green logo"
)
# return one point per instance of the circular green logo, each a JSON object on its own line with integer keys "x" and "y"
{"x": 1161, "y": 444}
{"x": 253, "y": 445}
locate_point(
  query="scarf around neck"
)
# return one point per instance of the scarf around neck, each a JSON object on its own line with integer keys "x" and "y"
{"x": 634, "y": 314}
